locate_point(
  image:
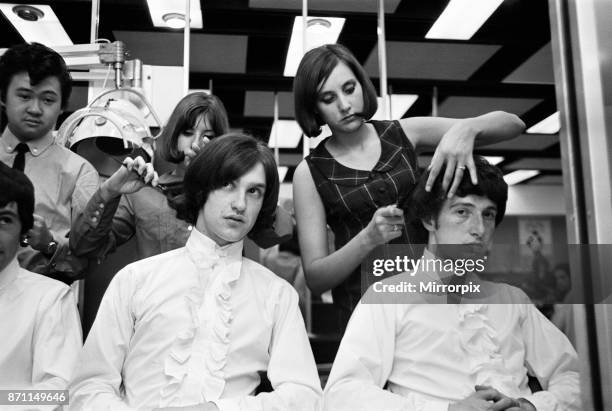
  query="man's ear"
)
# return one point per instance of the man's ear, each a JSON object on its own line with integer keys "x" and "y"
{"x": 429, "y": 223}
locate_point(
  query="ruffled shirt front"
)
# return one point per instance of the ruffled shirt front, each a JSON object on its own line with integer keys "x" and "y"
{"x": 431, "y": 354}
{"x": 194, "y": 325}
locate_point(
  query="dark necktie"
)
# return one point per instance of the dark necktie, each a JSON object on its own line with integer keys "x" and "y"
{"x": 19, "y": 162}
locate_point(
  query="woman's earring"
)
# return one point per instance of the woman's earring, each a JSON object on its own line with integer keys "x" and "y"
{"x": 24, "y": 240}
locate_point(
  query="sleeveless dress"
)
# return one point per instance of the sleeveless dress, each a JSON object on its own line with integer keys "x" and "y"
{"x": 351, "y": 197}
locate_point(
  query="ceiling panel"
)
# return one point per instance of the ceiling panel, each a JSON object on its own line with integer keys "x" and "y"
{"x": 431, "y": 60}
{"x": 464, "y": 106}
{"x": 215, "y": 53}
{"x": 261, "y": 104}
{"x": 547, "y": 180}
{"x": 524, "y": 142}
{"x": 533, "y": 163}
{"x": 365, "y": 6}
{"x": 536, "y": 69}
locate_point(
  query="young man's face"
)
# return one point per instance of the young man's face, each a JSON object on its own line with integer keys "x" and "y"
{"x": 10, "y": 233}
{"x": 32, "y": 111}
{"x": 466, "y": 221}
{"x": 231, "y": 211}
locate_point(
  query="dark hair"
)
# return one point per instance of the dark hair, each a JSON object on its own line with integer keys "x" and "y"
{"x": 39, "y": 62}
{"x": 223, "y": 160}
{"x": 16, "y": 186}
{"x": 184, "y": 116}
{"x": 427, "y": 205}
{"x": 314, "y": 69}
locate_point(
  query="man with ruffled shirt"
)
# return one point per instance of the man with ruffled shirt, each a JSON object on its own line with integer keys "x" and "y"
{"x": 192, "y": 328}
{"x": 450, "y": 352}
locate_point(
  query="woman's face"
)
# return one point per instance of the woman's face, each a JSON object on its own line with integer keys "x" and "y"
{"x": 191, "y": 140}
{"x": 340, "y": 100}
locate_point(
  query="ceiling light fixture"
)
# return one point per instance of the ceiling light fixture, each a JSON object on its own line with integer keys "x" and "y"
{"x": 28, "y": 13}
{"x": 163, "y": 10}
{"x": 519, "y": 176}
{"x": 174, "y": 20}
{"x": 319, "y": 31}
{"x": 36, "y": 23}
{"x": 550, "y": 125}
{"x": 461, "y": 19}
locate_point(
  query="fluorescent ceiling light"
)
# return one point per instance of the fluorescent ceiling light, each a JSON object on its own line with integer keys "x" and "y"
{"x": 171, "y": 8}
{"x": 46, "y": 29}
{"x": 462, "y": 18}
{"x": 518, "y": 176}
{"x": 550, "y": 125}
{"x": 494, "y": 160}
{"x": 400, "y": 103}
{"x": 288, "y": 133}
{"x": 282, "y": 173}
{"x": 320, "y": 31}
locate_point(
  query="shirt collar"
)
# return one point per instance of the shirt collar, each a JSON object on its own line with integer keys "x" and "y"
{"x": 37, "y": 147}
{"x": 205, "y": 252}
{"x": 10, "y": 272}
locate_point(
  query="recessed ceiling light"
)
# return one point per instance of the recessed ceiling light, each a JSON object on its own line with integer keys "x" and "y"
{"x": 550, "y": 125}
{"x": 519, "y": 176}
{"x": 174, "y": 20}
{"x": 28, "y": 13}
{"x": 158, "y": 9}
{"x": 36, "y": 23}
{"x": 461, "y": 19}
{"x": 319, "y": 31}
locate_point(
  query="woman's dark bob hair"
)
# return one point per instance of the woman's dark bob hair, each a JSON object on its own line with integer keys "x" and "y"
{"x": 223, "y": 160}
{"x": 185, "y": 116}
{"x": 314, "y": 69}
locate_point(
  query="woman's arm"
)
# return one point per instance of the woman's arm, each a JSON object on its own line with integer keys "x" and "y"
{"x": 455, "y": 139}
{"x": 324, "y": 271}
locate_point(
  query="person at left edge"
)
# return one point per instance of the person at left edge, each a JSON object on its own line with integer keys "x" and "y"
{"x": 192, "y": 328}
{"x": 35, "y": 88}
{"x": 40, "y": 332}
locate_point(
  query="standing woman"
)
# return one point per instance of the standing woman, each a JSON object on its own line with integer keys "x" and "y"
{"x": 132, "y": 201}
{"x": 355, "y": 179}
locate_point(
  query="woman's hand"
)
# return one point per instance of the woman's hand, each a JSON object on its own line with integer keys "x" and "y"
{"x": 194, "y": 149}
{"x": 129, "y": 178}
{"x": 455, "y": 150}
{"x": 386, "y": 224}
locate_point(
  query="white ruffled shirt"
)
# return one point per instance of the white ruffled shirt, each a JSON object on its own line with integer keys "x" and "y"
{"x": 40, "y": 332}
{"x": 194, "y": 325}
{"x": 431, "y": 355}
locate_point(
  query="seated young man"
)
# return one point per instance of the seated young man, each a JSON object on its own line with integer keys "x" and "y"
{"x": 40, "y": 331}
{"x": 35, "y": 88}
{"x": 190, "y": 329}
{"x": 446, "y": 356}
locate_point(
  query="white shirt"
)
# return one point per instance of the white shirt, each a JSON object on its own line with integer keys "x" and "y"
{"x": 431, "y": 355}
{"x": 192, "y": 325}
{"x": 40, "y": 331}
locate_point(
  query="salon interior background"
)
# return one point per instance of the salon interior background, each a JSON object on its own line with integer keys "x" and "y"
{"x": 242, "y": 47}
{"x": 507, "y": 64}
